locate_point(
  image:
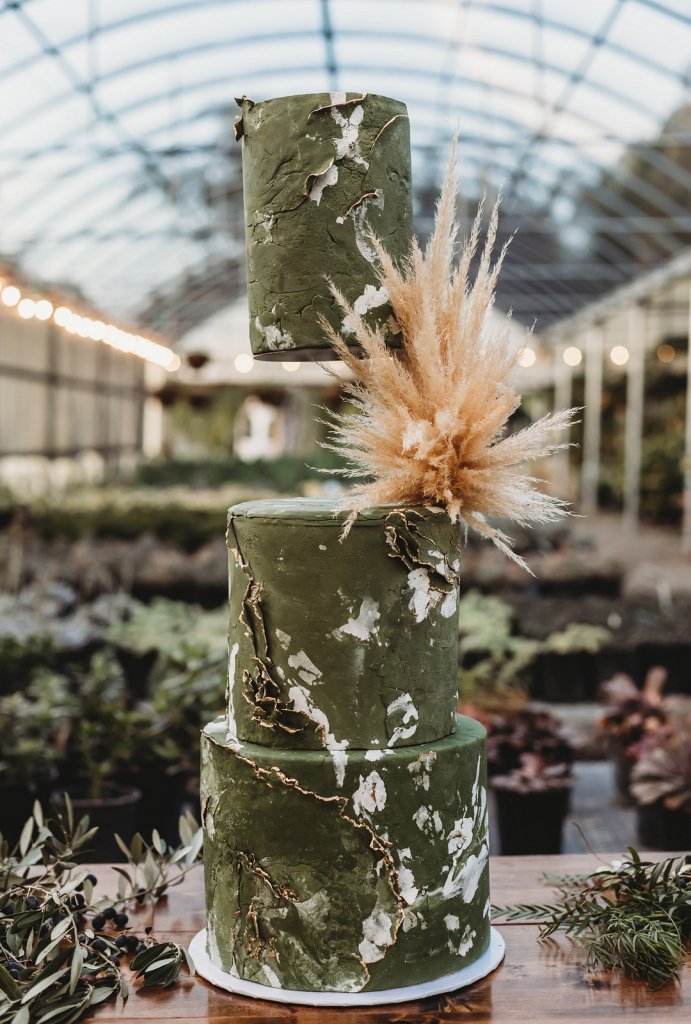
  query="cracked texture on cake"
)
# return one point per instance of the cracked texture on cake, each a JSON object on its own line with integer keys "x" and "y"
{"x": 318, "y": 887}
{"x": 331, "y": 644}
{"x": 319, "y": 171}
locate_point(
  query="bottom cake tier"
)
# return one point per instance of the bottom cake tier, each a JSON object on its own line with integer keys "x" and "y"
{"x": 378, "y": 884}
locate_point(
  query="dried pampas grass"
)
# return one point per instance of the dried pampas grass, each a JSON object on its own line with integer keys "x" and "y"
{"x": 429, "y": 425}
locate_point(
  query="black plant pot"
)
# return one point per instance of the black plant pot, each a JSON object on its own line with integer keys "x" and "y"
{"x": 111, "y": 814}
{"x": 623, "y": 766}
{"x": 662, "y": 829}
{"x": 565, "y": 678}
{"x": 16, "y": 805}
{"x": 531, "y": 823}
{"x": 163, "y": 801}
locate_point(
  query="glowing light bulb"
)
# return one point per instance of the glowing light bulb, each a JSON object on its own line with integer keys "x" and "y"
{"x": 43, "y": 310}
{"x": 11, "y": 295}
{"x": 26, "y": 309}
{"x": 62, "y": 315}
{"x": 572, "y": 356}
{"x": 619, "y": 355}
{"x": 244, "y": 363}
{"x": 666, "y": 353}
{"x": 527, "y": 357}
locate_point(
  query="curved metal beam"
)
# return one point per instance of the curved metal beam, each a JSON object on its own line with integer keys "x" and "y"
{"x": 510, "y": 122}
{"x": 183, "y": 6}
{"x": 217, "y": 45}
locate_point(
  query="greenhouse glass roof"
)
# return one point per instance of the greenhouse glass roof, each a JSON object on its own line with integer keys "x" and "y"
{"x": 119, "y": 176}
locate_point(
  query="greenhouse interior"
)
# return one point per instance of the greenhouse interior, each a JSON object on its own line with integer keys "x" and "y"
{"x": 412, "y": 278}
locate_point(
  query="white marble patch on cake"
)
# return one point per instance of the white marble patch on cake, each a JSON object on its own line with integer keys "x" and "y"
{"x": 466, "y": 943}
{"x": 406, "y": 881}
{"x": 420, "y": 769}
{"x": 420, "y": 602}
{"x": 365, "y": 625}
{"x": 466, "y": 878}
{"x": 409, "y": 720}
{"x": 271, "y": 976}
{"x": 421, "y": 817}
{"x": 316, "y": 910}
{"x": 360, "y": 225}
{"x": 302, "y": 701}
{"x": 232, "y": 658}
{"x": 449, "y": 604}
{"x": 378, "y": 936}
{"x": 377, "y": 754}
{"x": 274, "y": 337}
{"x": 283, "y": 638}
{"x": 452, "y": 923}
{"x": 321, "y": 181}
{"x": 461, "y": 836}
{"x": 487, "y": 912}
{"x": 371, "y": 298}
{"x": 348, "y": 146}
{"x": 338, "y": 97}
{"x": 305, "y": 668}
{"x": 322, "y": 547}
{"x": 409, "y": 920}
{"x": 370, "y": 796}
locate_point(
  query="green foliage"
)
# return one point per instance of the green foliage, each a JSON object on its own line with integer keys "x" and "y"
{"x": 55, "y": 964}
{"x": 179, "y": 633}
{"x": 282, "y": 474}
{"x": 495, "y": 664}
{"x": 632, "y": 915}
{"x": 34, "y": 731}
{"x": 577, "y": 637}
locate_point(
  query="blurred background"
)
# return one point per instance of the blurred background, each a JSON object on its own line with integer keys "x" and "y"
{"x": 132, "y": 413}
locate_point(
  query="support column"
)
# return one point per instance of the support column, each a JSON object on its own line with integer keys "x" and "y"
{"x": 563, "y": 399}
{"x": 635, "y": 385}
{"x": 686, "y": 530}
{"x": 592, "y": 415}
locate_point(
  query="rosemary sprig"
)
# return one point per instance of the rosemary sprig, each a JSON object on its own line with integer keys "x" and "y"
{"x": 632, "y": 915}
{"x": 62, "y": 949}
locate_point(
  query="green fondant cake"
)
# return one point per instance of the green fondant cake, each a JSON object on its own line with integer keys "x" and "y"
{"x": 341, "y": 643}
{"x": 381, "y": 882}
{"x": 343, "y": 800}
{"x": 319, "y": 171}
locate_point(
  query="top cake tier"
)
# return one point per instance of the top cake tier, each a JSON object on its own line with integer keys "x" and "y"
{"x": 342, "y": 644}
{"x": 319, "y": 171}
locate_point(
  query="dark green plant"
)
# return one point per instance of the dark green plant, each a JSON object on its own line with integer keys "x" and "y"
{"x": 528, "y": 751}
{"x": 631, "y": 915}
{"x": 100, "y": 747}
{"x": 35, "y": 729}
{"x": 495, "y": 664}
{"x": 62, "y": 947}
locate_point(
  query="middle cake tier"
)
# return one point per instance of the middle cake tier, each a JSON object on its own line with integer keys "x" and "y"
{"x": 341, "y": 642}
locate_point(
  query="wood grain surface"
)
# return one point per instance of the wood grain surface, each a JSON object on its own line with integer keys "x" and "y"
{"x": 537, "y": 982}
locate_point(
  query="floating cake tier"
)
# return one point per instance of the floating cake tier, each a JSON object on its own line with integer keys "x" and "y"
{"x": 341, "y": 644}
{"x": 320, "y": 171}
{"x": 379, "y": 883}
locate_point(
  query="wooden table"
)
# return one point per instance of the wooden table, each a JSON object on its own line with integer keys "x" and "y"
{"x": 537, "y": 982}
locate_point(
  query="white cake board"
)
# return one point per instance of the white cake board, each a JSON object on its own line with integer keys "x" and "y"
{"x": 490, "y": 959}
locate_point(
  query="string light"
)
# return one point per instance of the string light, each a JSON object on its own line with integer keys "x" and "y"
{"x": 11, "y": 295}
{"x": 619, "y": 355}
{"x": 96, "y": 330}
{"x": 290, "y": 367}
{"x": 244, "y": 362}
{"x": 527, "y": 357}
{"x": 572, "y": 356}
{"x": 666, "y": 352}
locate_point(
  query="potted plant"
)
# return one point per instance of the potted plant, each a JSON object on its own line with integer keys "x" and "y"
{"x": 661, "y": 786}
{"x": 495, "y": 666}
{"x": 167, "y": 731}
{"x": 99, "y": 755}
{"x": 529, "y": 759}
{"x": 35, "y": 726}
{"x": 566, "y": 668}
{"x": 633, "y": 716}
